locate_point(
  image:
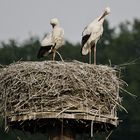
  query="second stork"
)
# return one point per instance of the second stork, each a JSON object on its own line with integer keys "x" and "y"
{"x": 92, "y": 34}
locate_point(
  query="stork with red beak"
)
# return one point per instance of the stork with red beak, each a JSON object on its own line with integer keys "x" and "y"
{"x": 92, "y": 34}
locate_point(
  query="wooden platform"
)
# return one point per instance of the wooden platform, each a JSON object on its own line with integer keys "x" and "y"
{"x": 81, "y": 118}
{"x": 77, "y": 115}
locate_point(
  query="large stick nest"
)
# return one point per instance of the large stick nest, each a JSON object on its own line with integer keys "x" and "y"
{"x": 58, "y": 86}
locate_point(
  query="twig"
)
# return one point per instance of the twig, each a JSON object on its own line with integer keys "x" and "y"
{"x": 60, "y": 56}
{"x": 109, "y": 135}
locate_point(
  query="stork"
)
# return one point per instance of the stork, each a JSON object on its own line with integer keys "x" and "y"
{"x": 52, "y": 41}
{"x": 92, "y": 34}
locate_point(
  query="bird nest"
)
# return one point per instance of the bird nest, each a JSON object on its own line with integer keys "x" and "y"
{"x": 69, "y": 90}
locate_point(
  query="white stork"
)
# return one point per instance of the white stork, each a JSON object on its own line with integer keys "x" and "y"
{"x": 52, "y": 41}
{"x": 92, "y": 34}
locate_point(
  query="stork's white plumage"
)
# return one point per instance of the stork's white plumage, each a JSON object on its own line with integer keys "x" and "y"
{"x": 92, "y": 34}
{"x": 47, "y": 40}
{"x": 52, "y": 41}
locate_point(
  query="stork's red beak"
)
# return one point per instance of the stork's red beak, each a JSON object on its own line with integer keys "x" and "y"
{"x": 53, "y": 25}
{"x": 102, "y": 16}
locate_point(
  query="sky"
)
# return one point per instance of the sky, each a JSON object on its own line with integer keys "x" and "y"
{"x": 21, "y": 19}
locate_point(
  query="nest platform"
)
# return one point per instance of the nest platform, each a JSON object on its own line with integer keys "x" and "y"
{"x": 80, "y": 94}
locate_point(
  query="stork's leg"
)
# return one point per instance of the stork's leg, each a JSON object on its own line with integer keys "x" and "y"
{"x": 95, "y": 54}
{"x": 83, "y": 59}
{"x": 90, "y": 56}
{"x": 54, "y": 53}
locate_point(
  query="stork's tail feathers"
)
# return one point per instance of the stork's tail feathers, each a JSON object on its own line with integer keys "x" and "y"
{"x": 85, "y": 46}
{"x": 85, "y": 51}
{"x": 43, "y": 51}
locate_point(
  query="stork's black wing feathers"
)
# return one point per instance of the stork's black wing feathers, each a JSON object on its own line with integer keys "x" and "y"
{"x": 85, "y": 39}
{"x": 43, "y": 50}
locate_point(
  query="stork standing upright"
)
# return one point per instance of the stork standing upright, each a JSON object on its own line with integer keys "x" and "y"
{"x": 52, "y": 41}
{"x": 92, "y": 34}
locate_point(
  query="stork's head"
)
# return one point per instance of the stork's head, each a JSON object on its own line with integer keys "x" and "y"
{"x": 54, "y": 22}
{"x": 107, "y": 11}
